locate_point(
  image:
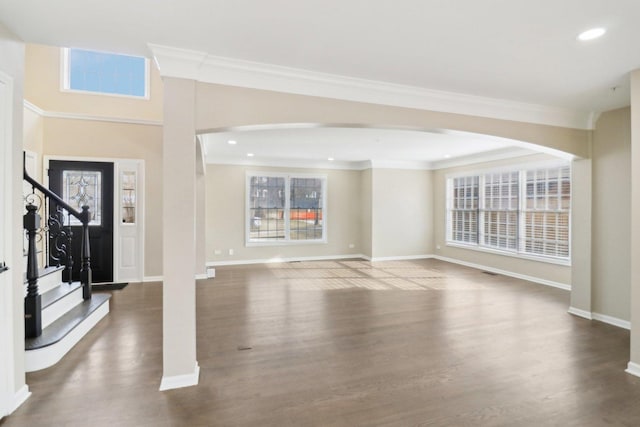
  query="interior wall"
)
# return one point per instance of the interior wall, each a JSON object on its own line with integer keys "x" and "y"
{"x": 402, "y": 213}
{"x": 12, "y": 304}
{"x": 43, "y": 89}
{"x": 611, "y": 209}
{"x": 224, "y": 106}
{"x": 366, "y": 238}
{"x": 225, "y": 226}
{"x": 33, "y": 133}
{"x": 85, "y": 138}
{"x": 542, "y": 270}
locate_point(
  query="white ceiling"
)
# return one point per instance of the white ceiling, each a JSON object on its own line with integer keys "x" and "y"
{"x": 307, "y": 145}
{"x": 500, "y": 50}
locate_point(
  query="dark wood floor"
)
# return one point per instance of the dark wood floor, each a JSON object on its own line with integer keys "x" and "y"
{"x": 348, "y": 343}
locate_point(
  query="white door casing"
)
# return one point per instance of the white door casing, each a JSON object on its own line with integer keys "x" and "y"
{"x": 6, "y": 294}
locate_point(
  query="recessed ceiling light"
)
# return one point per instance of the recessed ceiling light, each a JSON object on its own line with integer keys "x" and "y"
{"x": 331, "y": 159}
{"x": 249, "y": 154}
{"x": 231, "y": 142}
{"x": 447, "y": 156}
{"x": 591, "y": 34}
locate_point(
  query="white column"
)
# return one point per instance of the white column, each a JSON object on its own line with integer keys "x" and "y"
{"x": 634, "y": 363}
{"x": 180, "y": 367}
{"x": 581, "y": 238}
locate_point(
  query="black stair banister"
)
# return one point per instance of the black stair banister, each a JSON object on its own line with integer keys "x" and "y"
{"x": 58, "y": 238}
{"x": 32, "y": 302}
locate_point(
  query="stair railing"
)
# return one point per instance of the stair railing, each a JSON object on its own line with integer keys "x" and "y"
{"x": 57, "y": 237}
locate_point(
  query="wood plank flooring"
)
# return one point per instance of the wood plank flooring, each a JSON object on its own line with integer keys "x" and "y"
{"x": 348, "y": 343}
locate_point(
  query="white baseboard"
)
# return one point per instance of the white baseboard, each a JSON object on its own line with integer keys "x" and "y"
{"x": 625, "y": 324}
{"x": 580, "y": 313}
{"x": 19, "y": 398}
{"x": 180, "y": 381}
{"x": 399, "y": 258}
{"x": 633, "y": 369}
{"x": 147, "y": 279}
{"x": 35, "y": 360}
{"x": 506, "y": 273}
{"x": 279, "y": 259}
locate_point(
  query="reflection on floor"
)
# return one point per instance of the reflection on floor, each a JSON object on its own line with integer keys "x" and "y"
{"x": 345, "y": 343}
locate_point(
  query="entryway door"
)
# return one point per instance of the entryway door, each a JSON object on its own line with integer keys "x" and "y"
{"x": 82, "y": 183}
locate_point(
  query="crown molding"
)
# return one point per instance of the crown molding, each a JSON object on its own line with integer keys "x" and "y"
{"x": 74, "y": 116}
{"x": 203, "y": 67}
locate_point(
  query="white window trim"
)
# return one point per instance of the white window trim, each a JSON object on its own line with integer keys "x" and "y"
{"x": 65, "y": 82}
{"x": 519, "y": 167}
{"x": 287, "y": 204}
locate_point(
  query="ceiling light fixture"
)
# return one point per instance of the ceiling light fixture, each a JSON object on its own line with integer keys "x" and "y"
{"x": 591, "y": 34}
{"x": 231, "y": 142}
{"x": 446, "y": 156}
{"x": 249, "y": 154}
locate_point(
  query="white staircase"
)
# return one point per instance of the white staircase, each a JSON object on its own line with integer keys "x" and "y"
{"x": 66, "y": 318}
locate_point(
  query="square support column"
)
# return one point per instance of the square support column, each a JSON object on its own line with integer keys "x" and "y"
{"x": 180, "y": 367}
{"x": 634, "y": 362}
{"x": 581, "y": 238}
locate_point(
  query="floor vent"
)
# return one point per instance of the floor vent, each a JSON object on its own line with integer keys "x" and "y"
{"x": 490, "y": 273}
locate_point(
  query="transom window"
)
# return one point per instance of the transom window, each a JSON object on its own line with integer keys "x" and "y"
{"x": 285, "y": 208}
{"x": 105, "y": 73}
{"x": 523, "y": 211}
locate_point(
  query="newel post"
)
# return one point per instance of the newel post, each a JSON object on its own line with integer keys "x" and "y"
{"x": 32, "y": 302}
{"x": 85, "y": 269}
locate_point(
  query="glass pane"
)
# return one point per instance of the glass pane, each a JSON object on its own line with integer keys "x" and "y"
{"x": 266, "y": 209}
{"x": 107, "y": 73}
{"x": 83, "y": 188}
{"x": 128, "y": 197}
{"x": 306, "y": 209}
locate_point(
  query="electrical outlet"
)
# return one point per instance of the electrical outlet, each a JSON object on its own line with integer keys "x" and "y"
{"x": 230, "y": 251}
{"x": 438, "y": 247}
{"x": 217, "y": 252}
{"x": 351, "y": 246}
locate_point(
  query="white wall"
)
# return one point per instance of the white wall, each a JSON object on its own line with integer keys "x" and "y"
{"x": 13, "y": 389}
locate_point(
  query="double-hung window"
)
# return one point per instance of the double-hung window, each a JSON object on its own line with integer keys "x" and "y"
{"x": 524, "y": 211}
{"x": 284, "y": 208}
{"x": 546, "y": 212}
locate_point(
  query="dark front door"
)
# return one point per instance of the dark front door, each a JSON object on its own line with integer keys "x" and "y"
{"x": 88, "y": 183}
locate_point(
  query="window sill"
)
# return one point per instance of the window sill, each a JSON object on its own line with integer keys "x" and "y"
{"x": 285, "y": 243}
{"x": 563, "y": 262}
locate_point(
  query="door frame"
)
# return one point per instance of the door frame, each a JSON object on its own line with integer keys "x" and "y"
{"x": 7, "y": 209}
{"x": 117, "y": 164}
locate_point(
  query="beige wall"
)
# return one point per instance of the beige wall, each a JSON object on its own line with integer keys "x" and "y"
{"x": 541, "y": 270}
{"x": 223, "y": 106}
{"x": 42, "y": 88}
{"x": 84, "y": 138}
{"x": 226, "y": 215}
{"x": 365, "y": 216}
{"x": 402, "y": 213}
{"x": 611, "y": 207}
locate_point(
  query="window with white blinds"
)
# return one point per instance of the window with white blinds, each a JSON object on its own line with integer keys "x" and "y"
{"x": 499, "y": 210}
{"x": 464, "y": 209}
{"x": 524, "y": 211}
{"x": 546, "y": 212}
